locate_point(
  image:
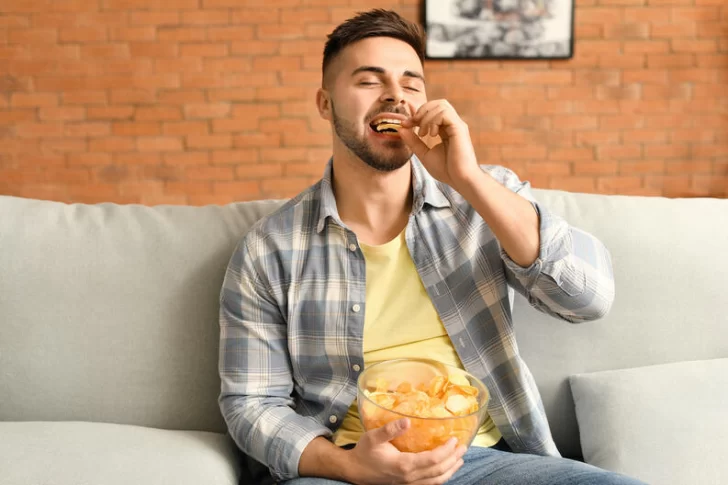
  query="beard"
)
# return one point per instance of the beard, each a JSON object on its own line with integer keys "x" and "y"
{"x": 358, "y": 145}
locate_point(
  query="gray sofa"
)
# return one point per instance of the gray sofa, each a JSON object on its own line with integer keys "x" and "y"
{"x": 109, "y": 339}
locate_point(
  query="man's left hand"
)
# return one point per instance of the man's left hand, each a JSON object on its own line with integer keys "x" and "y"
{"x": 452, "y": 161}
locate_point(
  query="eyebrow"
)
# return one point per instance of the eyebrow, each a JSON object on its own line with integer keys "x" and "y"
{"x": 379, "y": 70}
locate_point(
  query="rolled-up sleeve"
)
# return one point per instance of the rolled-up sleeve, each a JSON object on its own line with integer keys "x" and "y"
{"x": 572, "y": 276}
{"x": 255, "y": 370}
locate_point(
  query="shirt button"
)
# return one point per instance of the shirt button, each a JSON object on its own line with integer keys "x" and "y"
{"x": 356, "y": 367}
{"x": 352, "y": 247}
{"x": 333, "y": 419}
{"x": 356, "y": 308}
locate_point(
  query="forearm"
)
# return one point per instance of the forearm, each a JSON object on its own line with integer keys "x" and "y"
{"x": 512, "y": 218}
{"x": 323, "y": 459}
{"x": 274, "y": 435}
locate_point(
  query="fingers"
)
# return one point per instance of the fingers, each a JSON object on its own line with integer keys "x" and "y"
{"x": 389, "y": 431}
{"x": 438, "y": 462}
{"x": 440, "y": 479}
{"x": 414, "y": 142}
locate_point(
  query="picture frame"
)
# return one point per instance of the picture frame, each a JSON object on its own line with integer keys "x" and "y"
{"x": 499, "y": 29}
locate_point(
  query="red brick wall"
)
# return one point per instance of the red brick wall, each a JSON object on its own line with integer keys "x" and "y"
{"x": 210, "y": 101}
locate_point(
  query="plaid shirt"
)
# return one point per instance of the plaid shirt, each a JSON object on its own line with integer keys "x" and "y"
{"x": 293, "y": 304}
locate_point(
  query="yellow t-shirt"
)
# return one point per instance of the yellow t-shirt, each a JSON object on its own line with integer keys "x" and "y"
{"x": 401, "y": 322}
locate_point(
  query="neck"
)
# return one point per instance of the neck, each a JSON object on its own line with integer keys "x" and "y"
{"x": 375, "y": 205}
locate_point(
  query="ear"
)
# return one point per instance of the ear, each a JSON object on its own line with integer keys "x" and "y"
{"x": 323, "y": 102}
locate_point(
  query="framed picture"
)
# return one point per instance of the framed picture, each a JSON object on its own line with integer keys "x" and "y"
{"x": 499, "y": 29}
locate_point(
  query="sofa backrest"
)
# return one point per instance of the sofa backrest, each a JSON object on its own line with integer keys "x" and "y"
{"x": 109, "y": 312}
{"x": 671, "y": 304}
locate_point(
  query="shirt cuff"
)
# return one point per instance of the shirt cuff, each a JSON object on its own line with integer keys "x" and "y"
{"x": 289, "y": 443}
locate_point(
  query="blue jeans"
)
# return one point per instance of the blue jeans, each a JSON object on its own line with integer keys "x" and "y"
{"x": 488, "y": 466}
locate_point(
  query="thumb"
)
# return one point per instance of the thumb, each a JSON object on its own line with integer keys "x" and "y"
{"x": 414, "y": 142}
{"x": 390, "y": 431}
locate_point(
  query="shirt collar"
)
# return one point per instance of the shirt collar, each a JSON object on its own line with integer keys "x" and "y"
{"x": 425, "y": 191}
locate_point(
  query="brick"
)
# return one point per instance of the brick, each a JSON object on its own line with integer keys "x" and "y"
{"x": 38, "y": 130}
{"x": 62, "y": 113}
{"x": 181, "y": 96}
{"x": 699, "y": 135}
{"x": 694, "y": 46}
{"x": 188, "y": 188}
{"x": 630, "y": 30}
{"x": 254, "y": 47}
{"x": 672, "y": 31}
{"x": 209, "y": 173}
{"x": 620, "y": 122}
{"x": 160, "y": 144}
{"x": 24, "y": 100}
{"x": 179, "y": 65}
{"x": 254, "y": 15}
{"x": 157, "y": 18}
{"x": 32, "y": 36}
{"x": 149, "y": 5}
{"x": 112, "y": 144}
{"x": 688, "y": 166}
{"x": 7, "y": 20}
{"x": 237, "y": 189}
{"x": 596, "y": 168}
{"x": 198, "y": 111}
{"x": 641, "y": 166}
{"x": 185, "y": 128}
{"x": 306, "y": 139}
{"x": 646, "y": 47}
{"x": 233, "y": 94}
{"x": 158, "y": 113}
{"x": 105, "y": 51}
{"x": 572, "y": 154}
{"x": 234, "y": 33}
{"x": 619, "y": 183}
{"x": 618, "y": 152}
{"x": 83, "y": 34}
{"x": 650, "y": 14}
{"x": 279, "y": 32}
{"x": 574, "y": 184}
{"x": 234, "y": 157}
{"x": 85, "y": 97}
{"x": 88, "y": 159}
{"x": 646, "y": 76}
{"x": 196, "y": 142}
{"x": 277, "y": 63}
{"x": 524, "y": 153}
{"x": 153, "y": 49}
{"x": 208, "y": 49}
{"x": 133, "y": 96}
{"x": 260, "y": 171}
{"x": 644, "y": 136}
{"x": 667, "y": 151}
{"x": 282, "y": 93}
{"x": 186, "y": 158}
{"x": 206, "y": 17}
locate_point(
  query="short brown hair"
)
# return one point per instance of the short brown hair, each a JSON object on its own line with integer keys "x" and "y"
{"x": 374, "y": 23}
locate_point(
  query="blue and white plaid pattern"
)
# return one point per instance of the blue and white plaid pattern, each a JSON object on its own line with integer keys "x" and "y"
{"x": 293, "y": 305}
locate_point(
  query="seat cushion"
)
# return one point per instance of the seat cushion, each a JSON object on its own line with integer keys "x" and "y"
{"x": 82, "y": 453}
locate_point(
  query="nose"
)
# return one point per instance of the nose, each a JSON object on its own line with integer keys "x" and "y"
{"x": 394, "y": 94}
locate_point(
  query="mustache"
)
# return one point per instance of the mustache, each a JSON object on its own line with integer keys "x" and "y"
{"x": 390, "y": 109}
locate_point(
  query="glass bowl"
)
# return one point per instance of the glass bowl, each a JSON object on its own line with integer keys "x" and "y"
{"x": 441, "y": 402}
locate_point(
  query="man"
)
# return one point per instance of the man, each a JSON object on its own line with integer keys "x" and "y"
{"x": 401, "y": 250}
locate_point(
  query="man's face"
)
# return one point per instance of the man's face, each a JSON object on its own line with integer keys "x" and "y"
{"x": 372, "y": 80}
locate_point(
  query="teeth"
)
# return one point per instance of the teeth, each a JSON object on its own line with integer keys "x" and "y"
{"x": 387, "y": 124}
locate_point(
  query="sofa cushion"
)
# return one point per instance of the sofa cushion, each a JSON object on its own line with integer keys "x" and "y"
{"x": 663, "y": 424}
{"x": 82, "y": 453}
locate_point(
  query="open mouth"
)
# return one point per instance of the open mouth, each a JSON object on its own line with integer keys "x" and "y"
{"x": 386, "y": 126}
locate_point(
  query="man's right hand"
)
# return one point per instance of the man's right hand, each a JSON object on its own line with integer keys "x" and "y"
{"x": 375, "y": 461}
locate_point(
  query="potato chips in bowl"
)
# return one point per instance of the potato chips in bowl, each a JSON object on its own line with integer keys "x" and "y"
{"x": 441, "y": 402}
